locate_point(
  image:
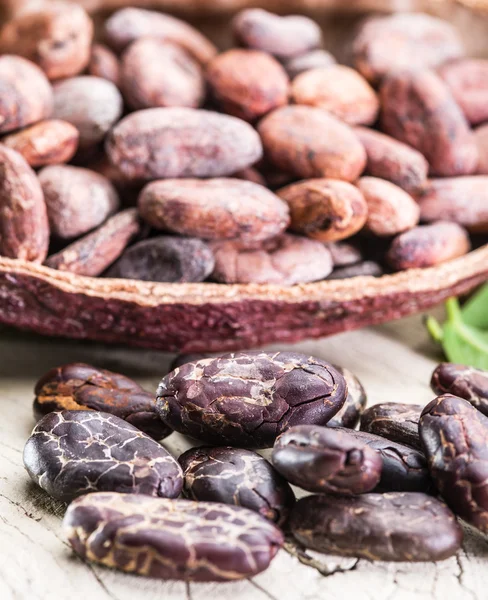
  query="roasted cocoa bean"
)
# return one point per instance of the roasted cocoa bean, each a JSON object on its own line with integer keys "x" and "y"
{"x": 155, "y": 73}
{"x": 315, "y": 59}
{"x": 167, "y": 259}
{"x": 204, "y": 144}
{"x": 77, "y": 200}
{"x": 248, "y": 83}
{"x": 308, "y": 142}
{"x": 419, "y": 109}
{"x": 79, "y": 386}
{"x": 354, "y": 405}
{"x": 104, "y": 63}
{"x": 481, "y": 135}
{"x": 367, "y": 268}
{"x": 236, "y": 476}
{"x": 454, "y": 435}
{"x": 325, "y": 209}
{"x": 462, "y": 381}
{"x": 248, "y": 399}
{"x": 400, "y": 526}
{"x": 344, "y": 254}
{"x": 75, "y": 452}
{"x": 428, "y": 245}
{"x": 325, "y": 460}
{"x": 160, "y": 538}
{"x": 394, "y": 421}
{"x": 24, "y": 227}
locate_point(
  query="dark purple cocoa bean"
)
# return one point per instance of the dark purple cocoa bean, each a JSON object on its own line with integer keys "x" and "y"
{"x": 236, "y": 476}
{"x": 171, "y": 539}
{"x": 367, "y": 268}
{"x": 82, "y": 387}
{"x": 466, "y": 382}
{"x": 344, "y": 254}
{"x": 76, "y": 452}
{"x": 248, "y": 399}
{"x": 325, "y": 460}
{"x": 354, "y": 405}
{"x": 314, "y": 59}
{"x": 395, "y": 422}
{"x": 104, "y": 63}
{"x": 400, "y": 526}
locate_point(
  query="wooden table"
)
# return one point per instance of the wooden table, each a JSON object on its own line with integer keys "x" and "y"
{"x": 394, "y": 362}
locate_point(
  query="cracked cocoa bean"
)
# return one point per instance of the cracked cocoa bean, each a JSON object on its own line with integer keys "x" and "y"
{"x": 104, "y": 63}
{"x": 394, "y": 421}
{"x": 76, "y": 452}
{"x": 171, "y": 539}
{"x": 236, "y": 476}
{"x": 248, "y": 399}
{"x": 454, "y": 435}
{"x": 314, "y": 59}
{"x": 355, "y": 403}
{"x": 466, "y": 382}
{"x": 325, "y": 460}
{"x": 79, "y": 386}
{"x": 367, "y": 268}
{"x": 400, "y": 526}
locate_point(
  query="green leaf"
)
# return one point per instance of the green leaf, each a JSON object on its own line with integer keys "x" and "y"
{"x": 475, "y": 311}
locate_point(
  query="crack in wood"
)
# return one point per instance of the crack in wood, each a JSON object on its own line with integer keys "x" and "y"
{"x": 300, "y": 553}
{"x": 262, "y": 590}
{"x": 19, "y": 505}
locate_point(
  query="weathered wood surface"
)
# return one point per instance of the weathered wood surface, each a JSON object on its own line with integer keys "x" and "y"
{"x": 394, "y": 361}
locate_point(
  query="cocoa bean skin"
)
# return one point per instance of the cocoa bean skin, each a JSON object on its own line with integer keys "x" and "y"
{"x": 248, "y": 83}
{"x": 325, "y": 209}
{"x": 48, "y": 142}
{"x": 402, "y": 42}
{"x": 285, "y": 260}
{"x": 27, "y": 95}
{"x": 155, "y": 73}
{"x": 308, "y": 142}
{"x": 392, "y": 160}
{"x": 314, "y": 59}
{"x": 454, "y": 435}
{"x": 399, "y": 526}
{"x": 75, "y": 452}
{"x": 239, "y": 477}
{"x": 92, "y": 254}
{"x": 462, "y": 200}
{"x": 367, "y": 268}
{"x": 394, "y": 421}
{"x": 419, "y": 109}
{"x": 104, "y": 63}
{"x": 24, "y": 227}
{"x": 325, "y": 460}
{"x": 57, "y": 37}
{"x": 165, "y": 259}
{"x": 344, "y": 254}
{"x": 79, "y": 386}
{"x": 283, "y": 37}
{"x": 183, "y": 359}
{"x": 204, "y": 144}
{"x": 77, "y": 199}
{"x": 248, "y": 398}
{"x": 159, "y": 538}
{"x": 355, "y": 403}
{"x": 462, "y": 381}
{"x": 215, "y": 209}
{"x": 481, "y": 136}
{"x": 390, "y": 209}
{"x": 428, "y": 245}
{"x": 341, "y": 91}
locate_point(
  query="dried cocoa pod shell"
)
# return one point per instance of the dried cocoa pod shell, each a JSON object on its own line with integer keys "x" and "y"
{"x": 314, "y": 59}
{"x": 204, "y": 144}
{"x": 466, "y": 382}
{"x": 24, "y": 227}
{"x": 283, "y": 37}
{"x": 130, "y": 24}
{"x": 166, "y": 258}
{"x": 57, "y": 36}
{"x": 215, "y": 209}
{"x": 104, "y": 63}
{"x": 285, "y": 260}
{"x": 392, "y": 160}
{"x": 463, "y": 200}
{"x": 354, "y": 405}
{"x": 394, "y": 421}
{"x": 48, "y": 142}
{"x": 481, "y": 135}
{"x": 341, "y": 91}
{"x": 155, "y": 73}
{"x": 390, "y": 209}
{"x": 27, "y": 95}
{"x": 308, "y": 142}
{"x": 79, "y": 386}
{"x": 419, "y": 109}
{"x": 92, "y": 254}
{"x": 367, "y": 268}
{"x": 428, "y": 245}
{"x": 325, "y": 209}
{"x": 400, "y": 42}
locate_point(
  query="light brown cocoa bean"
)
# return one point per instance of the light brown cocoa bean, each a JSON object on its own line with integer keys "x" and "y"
{"x": 311, "y": 60}
{"x": 344, "y": 254}
{"x": 24, "y": 228}
{"x": 418, "y": 109}
{"x": 248, "y": 83}
{"x": 325, "y": 209}
{"x": 481, "y": 135}
{"x": 308, "y": 142}
{"x": 390, "y": 209}
{"x": 214, "y": 209}
{"x": 428, "y": 245}
{"x": 104, "y": 63}
{"x": 77, "y": 200}
{"x": 467, "y": 78}
{"x": 339, "y": 90}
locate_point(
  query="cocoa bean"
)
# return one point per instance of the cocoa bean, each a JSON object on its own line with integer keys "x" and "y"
{"x": 344, "y": 254}
{"x": 355, "y": 403}
{"x": 104, "y": 63}
{"x": 311, "y": 60}
{"x": 481, "y": 135}
{"x": 367, "y": 268}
